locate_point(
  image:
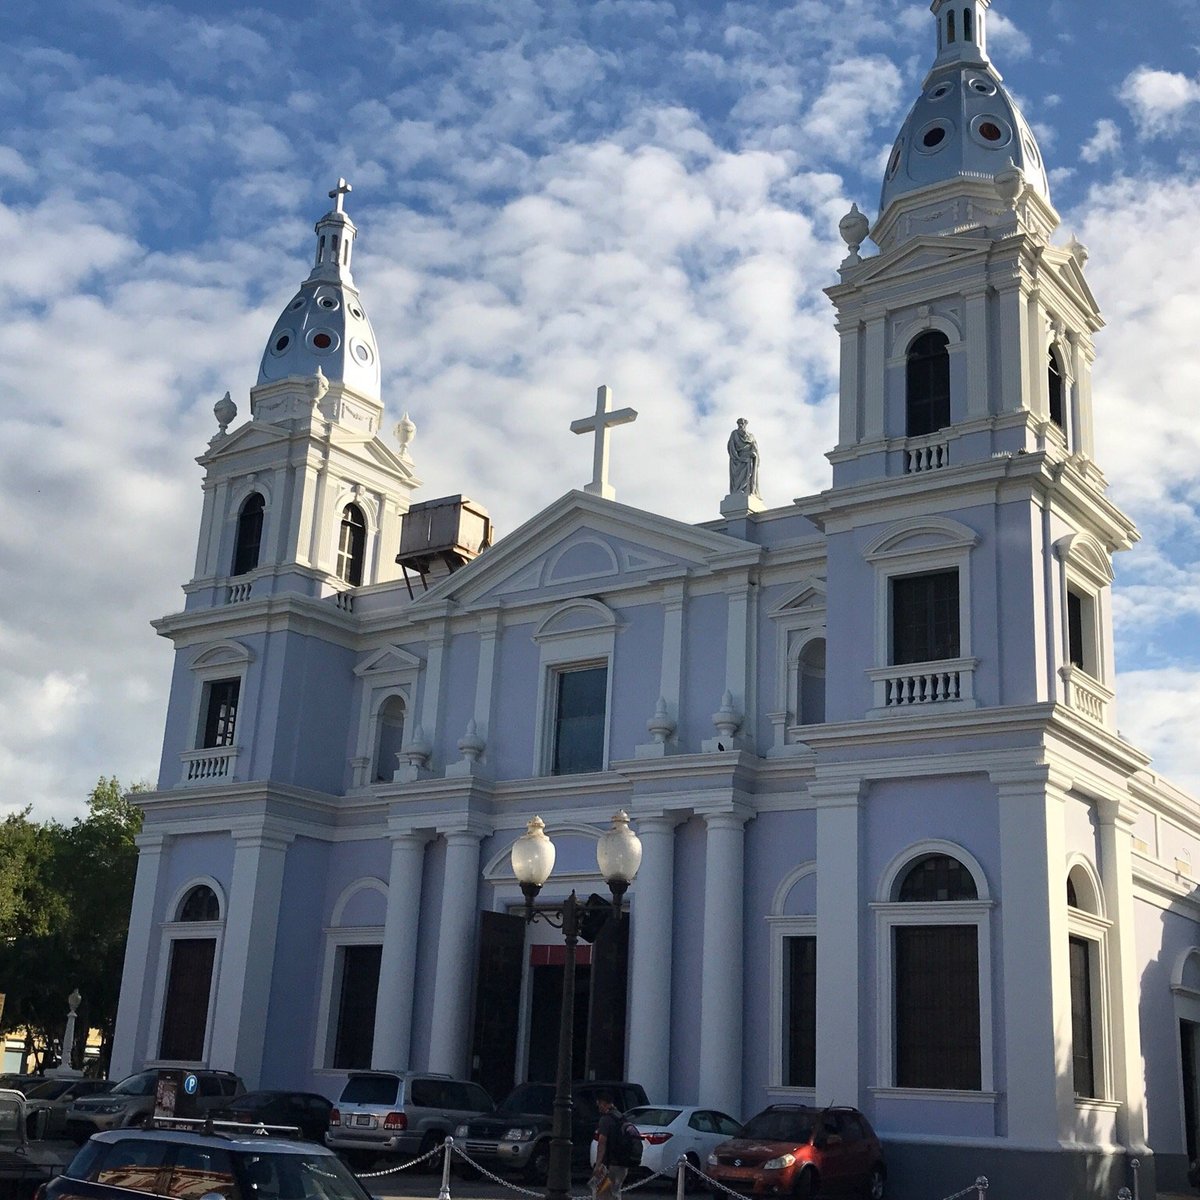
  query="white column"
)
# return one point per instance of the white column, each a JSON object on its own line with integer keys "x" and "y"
{"x": 392, "y": 1046}
{"x": 671, "y": 680}
{"x": 840, "y": 912}
{"x": 128, "y": 1049}
{"x": 239, "y": 1019}
{"x": 874, "y": 379}
{"x": 485, "y": 676}
{"x": 976, "y": 334}
{"x": 739, "y": 652}
{"x": 850, "y": 404}
{"x": 722, "y": 969}
{"x": 1116, "y": 873}
{"x": 1036, "y": 999}
{"x": 449, "y": 1037}
{"x": 438, "y": 636}
{"x": 652, "y": 913}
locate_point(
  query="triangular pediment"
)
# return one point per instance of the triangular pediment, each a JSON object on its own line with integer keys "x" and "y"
{"x": 582, "y": 544}
{"x": 387, "y": 660}
{"x": 1070, "y": 276}
{"x": 920, "y": 255}
{"x": 806, "y": 597}
{"x": 251, "y": 436}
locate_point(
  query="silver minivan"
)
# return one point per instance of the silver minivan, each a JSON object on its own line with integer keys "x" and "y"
{"x": 400, "y": 1112}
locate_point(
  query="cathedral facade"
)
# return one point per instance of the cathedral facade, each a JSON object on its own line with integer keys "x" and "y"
{"x": 895, "y": 853}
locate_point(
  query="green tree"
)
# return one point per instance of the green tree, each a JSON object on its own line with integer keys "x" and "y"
{"x": 65, "y": 894}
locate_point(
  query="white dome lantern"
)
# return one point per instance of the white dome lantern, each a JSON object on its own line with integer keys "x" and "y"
{"x": 533, "y": 856}
{"x": 325, "y": 326}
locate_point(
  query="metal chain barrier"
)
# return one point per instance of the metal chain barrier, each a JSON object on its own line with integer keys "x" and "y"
{"x": 505, "y": 1183}
{"x": 979, "y": 1187}
{"x": 416, "y": 1162}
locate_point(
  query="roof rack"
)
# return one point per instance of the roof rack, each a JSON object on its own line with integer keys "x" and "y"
{"x": 207, "y": 1125}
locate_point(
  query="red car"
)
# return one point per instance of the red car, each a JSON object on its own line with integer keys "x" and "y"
{"x": 793, "y": 1150}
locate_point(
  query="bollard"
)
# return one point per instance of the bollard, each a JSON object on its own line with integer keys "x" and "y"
{"x": 680, "y": 1178}
{"x": 1136, "y": 1164}
{"x": 444, "y": 1192}
{"x": 981, "y": 1185}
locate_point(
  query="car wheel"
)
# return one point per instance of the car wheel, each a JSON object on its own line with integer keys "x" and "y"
{"x": 435, "y": 1137}
{"x": 806, "y": 1185}
{"x": 538, "y": 1166}
{"x": 876, "y": 1184}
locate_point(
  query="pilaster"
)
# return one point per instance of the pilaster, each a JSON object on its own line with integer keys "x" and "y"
{"x": 840, "y": 912}
{"x": 127, "y": 1051}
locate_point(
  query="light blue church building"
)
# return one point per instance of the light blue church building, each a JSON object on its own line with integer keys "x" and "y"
{"x": 895, "y": 852}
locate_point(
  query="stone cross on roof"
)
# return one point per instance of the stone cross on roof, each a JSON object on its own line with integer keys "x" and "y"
{"x": 338, "y": 195}
{"x": 600, "y": 424}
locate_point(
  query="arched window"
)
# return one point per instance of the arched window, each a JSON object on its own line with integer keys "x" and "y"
{"x": 1055, "y": 377}
{"x": 200, "y": 904}
{"x": 1086, "y": 953}
{"x": 811, "y": 707}
{"x": 967, "y": 25}
{"x": 936, "y": 878}
{"x": 191, "y": 955}
{"x": 927, "y": 378}
{"x": 249, "y": 535}
{"x": 352, "y": 545}
{"x": 950, "y": 26}
{"x": 391, "y": 738}
{"x": 936, "y": 981}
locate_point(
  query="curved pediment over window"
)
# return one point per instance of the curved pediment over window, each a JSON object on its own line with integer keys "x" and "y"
{"x": 920, "y": 535}
{"x": 1087, "y": 556}
{"x": 223, "y": 654}
{"x": 587, "y": 558}
{"x": 577, "y": 617}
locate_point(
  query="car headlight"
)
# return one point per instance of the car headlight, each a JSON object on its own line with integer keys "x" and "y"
{"x": 518, "y": 1133}
{"x": 712, "y": 1160}
{"x": 461, "y": 1132}
{"x": 777, "y": 1164}
{"x": 108, "y": 1108}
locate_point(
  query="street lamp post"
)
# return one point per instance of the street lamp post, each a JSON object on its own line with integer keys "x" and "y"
{"x": 618, "y": 854}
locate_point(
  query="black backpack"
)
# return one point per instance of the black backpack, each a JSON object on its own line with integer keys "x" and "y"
{"x": 627, "y": 1148}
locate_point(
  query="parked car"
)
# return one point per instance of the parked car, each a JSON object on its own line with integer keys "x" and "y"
{"x": 23, "y": 1168}
{"x": 53, "y": 1097}
{"x": 399, "y": 1113}
{"x": 674, "y": 1131}
{"x": 793, "y": 1150}
{"x": 306, "y": 1111}
{"x": 187, "y": 1165}
{"x": 131, "y": 1102}
{"x": 516, "y": 1137}
{"x": 19, "y": 1082}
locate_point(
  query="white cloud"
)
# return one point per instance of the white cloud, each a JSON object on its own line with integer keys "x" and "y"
{"x": 1159, "y": 711}
{"x": 1105, "y": 141}
{"x": 1005, "y": 39}
{"x": 1159, "y": 101}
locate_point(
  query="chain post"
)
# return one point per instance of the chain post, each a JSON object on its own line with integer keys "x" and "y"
{"x": 981, "y": 1185}
{"x": 680, "y": 1178}
{"x": 1136, "y": 1164}
{"x": 1124, "y": 1194}
{"x": 444, "y": 1192}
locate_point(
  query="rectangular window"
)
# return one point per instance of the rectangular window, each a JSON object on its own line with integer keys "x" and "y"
{"x": 356, "y": 1007}
{"x": 579, "y": 719}
{"x": 800, "y": 1012}
{"x": 1082, "y": 1059}
{"x": 185, "y": 1015}
{"x": 220, "y": 712}
{"x": 925, "y": 625}
{"x": 1081, "y": 632}
{"x": 937, "y": 1007}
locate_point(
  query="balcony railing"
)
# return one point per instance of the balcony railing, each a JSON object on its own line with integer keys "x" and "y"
{"x": 214, "y": 765}
{"x": 235, "y": 593}
{"x": 924, "y": 685}
{"x": 1086, "y": 695}
{"x": 931, "y": 457}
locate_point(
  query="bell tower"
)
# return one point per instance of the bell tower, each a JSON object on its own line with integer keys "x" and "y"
{"x": 966, "y": 411}
{"x": 306, "y": 497}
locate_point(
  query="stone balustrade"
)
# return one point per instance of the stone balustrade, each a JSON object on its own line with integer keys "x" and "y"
{"x": 918, "y": 685}
{"x": 213, "y": 765}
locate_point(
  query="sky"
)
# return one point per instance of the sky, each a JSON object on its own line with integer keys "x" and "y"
{"x": 550, "y": 195}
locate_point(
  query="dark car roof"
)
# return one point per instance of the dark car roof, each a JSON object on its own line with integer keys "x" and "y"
{"x": 231, "y": 1141}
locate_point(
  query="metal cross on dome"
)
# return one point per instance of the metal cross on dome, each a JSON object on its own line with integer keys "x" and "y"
{"x": 338, "y": 195}
{"x": 600, "y": 424}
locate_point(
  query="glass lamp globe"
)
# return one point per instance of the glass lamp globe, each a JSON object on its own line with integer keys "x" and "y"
{"x": 619, "y": 851}
{"x": 533, "y": 855}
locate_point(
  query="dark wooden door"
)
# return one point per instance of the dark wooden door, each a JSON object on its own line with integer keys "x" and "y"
{"x": 497, "y": 1002}
{"x": 606, "y": 1017}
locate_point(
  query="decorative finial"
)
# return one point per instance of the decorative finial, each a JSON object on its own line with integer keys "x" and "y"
{"x": 406, "y": 431}
{"x": 1010, "y": 183}
{"x": 225, "y": 411}
{"x": 418, "y": 751}
{"x": 318, "y": 385}
{"x": 660, "y": 726}
{"x": 339, "y": 193}
{"x": 1079, "y": 252}
{"x": 854, "y": 228}
{"x": 471, "y": 745}
{"x": 727, "y": 719}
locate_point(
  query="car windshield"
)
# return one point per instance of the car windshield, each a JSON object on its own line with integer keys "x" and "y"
{"x": 538, "y": 1100}
{"x": 299, "y": 1177}
{"x": 136, "y": 1085}
{"x": 50, "y": 1090}
{"x": 652, "y": 1116}
{"x": 791, "y": 1126}
{"x": 370, "y": 1089}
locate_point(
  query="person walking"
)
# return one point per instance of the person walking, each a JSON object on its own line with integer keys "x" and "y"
{"x": 608, "y": 1173}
